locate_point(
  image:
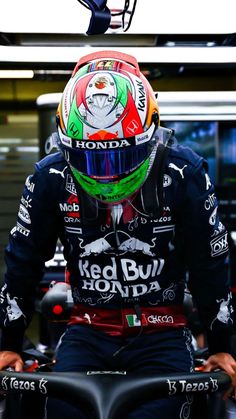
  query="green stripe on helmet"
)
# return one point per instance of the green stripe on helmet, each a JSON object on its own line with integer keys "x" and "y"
{"x": 74, "y": 124}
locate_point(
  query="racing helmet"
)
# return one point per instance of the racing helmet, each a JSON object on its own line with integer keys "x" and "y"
{"x": 106, "y": 121}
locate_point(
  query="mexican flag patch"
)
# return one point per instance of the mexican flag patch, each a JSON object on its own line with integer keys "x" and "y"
{"x": 133, "y": 321}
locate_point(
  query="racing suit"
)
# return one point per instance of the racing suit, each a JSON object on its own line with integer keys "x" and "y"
{"x": 127, "y": 269}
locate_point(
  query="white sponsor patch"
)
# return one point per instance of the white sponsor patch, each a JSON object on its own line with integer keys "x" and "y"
{"x": 131, "y": 244}
{"x": 178, "y": 169}
{"x": 14, "y": 383}
{"x": 23, "y": 230}
{"x": 225, "y": 310}
{"x": 210, "y": 201}
{"x": 74, "y": 230}
{"x": 131, "y": 270}
{"x": 155, "y": 319}
{"x": 208, "y": 181}
{"x": 23, "y": 214}
{"x": 26, "y": 201}
{"x": 13, "y": 310}
{"x": 70, "y": 185}
{"x": 220, "y": 228}
{"x": 184, "y": 386}
{"x": 219, "y": 245}
{"x": 72, "y": 220}
{"x": 167, "y": 181}
{"x": 163, "y": 229}
{"x": 58, "y": 172}
{"x": 69, "y": 207}
{"x": 212, "y": 219}
{"x": 29, "y": 185}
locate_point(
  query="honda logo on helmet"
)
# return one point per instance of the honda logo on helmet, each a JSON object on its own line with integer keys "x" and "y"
{"x": 104, "y": 145}
{"x": 132, "y": 127}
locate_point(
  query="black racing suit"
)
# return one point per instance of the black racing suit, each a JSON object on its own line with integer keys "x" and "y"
{"x": 126, "y": 268}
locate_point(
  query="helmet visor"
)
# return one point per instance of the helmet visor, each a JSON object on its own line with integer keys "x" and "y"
{"x": 110, "y": 158}
{"x": 108, "y": 163}
{"x": 107, "y": 158}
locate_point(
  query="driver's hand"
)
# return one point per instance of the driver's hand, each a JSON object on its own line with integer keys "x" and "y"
{"x": 11, "y": 359}
{"x": 225, "y": 362}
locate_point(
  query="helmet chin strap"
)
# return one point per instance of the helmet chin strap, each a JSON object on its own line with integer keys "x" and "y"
{"x": 101, "y": 16}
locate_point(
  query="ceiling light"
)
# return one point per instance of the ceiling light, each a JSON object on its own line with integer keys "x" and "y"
{"x": 220, "y": 55}
{"x": 197, "y": 110}
{"x": 183, "y": 106}
{"x": 16, "y": 74}
{"x": 211, "y": 117}
{"x": 205, "y": 97}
